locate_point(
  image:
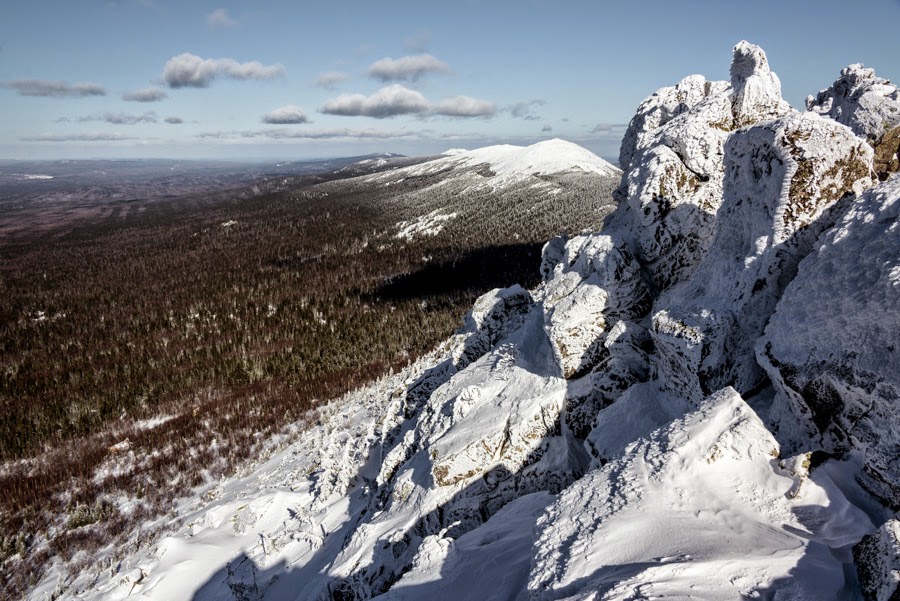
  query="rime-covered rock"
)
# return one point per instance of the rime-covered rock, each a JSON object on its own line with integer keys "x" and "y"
{"x": 831, "y": 346}
{"x": 870, "y": 106}
{"x": 782, "y": 180}
{"x": 594, "y": 282}
{"x": 661, "y": 107}
{"x": 673, "y": 161}
{"x": 756, "y": 90}
{"x": 493, "y": 316}
{"x": 877, "y": 559}
{"x": 864, "y": 102}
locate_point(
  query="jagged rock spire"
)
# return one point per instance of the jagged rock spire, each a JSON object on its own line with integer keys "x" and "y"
{"x": 756, "y": 89}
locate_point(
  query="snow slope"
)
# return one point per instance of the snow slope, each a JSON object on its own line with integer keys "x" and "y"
{"x": 698, "y": 402}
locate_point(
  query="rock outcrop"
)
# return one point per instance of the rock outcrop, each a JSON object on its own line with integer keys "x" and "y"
{"x": 870, "y": 106}
{"x": 650, "y": 524}
{"x": 782, "y": 180}
{"x": 831, "y": 346}
{"x": 877, "y": 559}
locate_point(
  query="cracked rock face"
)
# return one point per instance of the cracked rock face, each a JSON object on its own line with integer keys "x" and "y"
{"x": 831, "y": 346}
{"x": 782, "y": 179}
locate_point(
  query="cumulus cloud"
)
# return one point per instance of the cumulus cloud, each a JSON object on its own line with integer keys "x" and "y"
{"x": 390, "y": 101}
{"x": 464, "y": 106}
{"x": 408, "y": 68}
{"x": 190, "y": 71}
{"x": 330, "y": 79}
{"x": 523, "y": 110}
{"x": 174, "y": 120}
{"x": 54, "y": 89}
{"x": 284, "y": 115}
{"x": 85, "y": 137}
{"x": 546, "y": 129}
{"x": 144, "y": 95}
{"x": 220, "y": 18}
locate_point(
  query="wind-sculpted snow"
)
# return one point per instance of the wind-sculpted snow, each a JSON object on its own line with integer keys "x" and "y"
{"x": 695, "y": 510}
{"x": 831, "y": 346}
{"x": 782, "y": 177}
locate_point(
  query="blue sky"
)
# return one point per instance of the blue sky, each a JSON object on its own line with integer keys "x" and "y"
{"x": 244, "y": 80}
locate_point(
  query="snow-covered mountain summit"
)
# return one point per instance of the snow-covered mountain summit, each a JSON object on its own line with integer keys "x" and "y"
{"x": 700, "y": 401}
{"x": 505, "y": 165}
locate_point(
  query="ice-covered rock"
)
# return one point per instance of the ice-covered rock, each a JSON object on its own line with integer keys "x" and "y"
{"x": 594, "y": 283}
{"x": 493, "y": 316}
{"x": 756, "y": 90}
{"x": 877, "y": 559}
{"x": 673, "y": 160}
{"x": 782, "y": 179}
{"x": 831, "y": 346}
{"x": 864, "y": 102}
{"x": 870, "y": 106}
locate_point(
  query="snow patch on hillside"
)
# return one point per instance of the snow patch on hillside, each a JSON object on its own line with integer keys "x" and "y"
{"x": 425, "y": 225}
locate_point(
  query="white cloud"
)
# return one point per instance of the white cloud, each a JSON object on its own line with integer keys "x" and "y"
{"x": 330, "y": 79}
{"x": 144, "y": 95}
{"x": 54, "y": 89}
{"x": 390, "y": 101}
{"x": 464, "y": 106}
{"x": 610, "y": 128}
{"x": 189, "y": 70}
{"x": 396, "y": 99}
{"x": 284, "y": 115}
{"x": 406, "y": 68}
{"x": 220, "y": 18}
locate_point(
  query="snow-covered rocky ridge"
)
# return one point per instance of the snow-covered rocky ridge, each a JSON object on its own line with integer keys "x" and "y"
{"x": 700, "y": 401}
